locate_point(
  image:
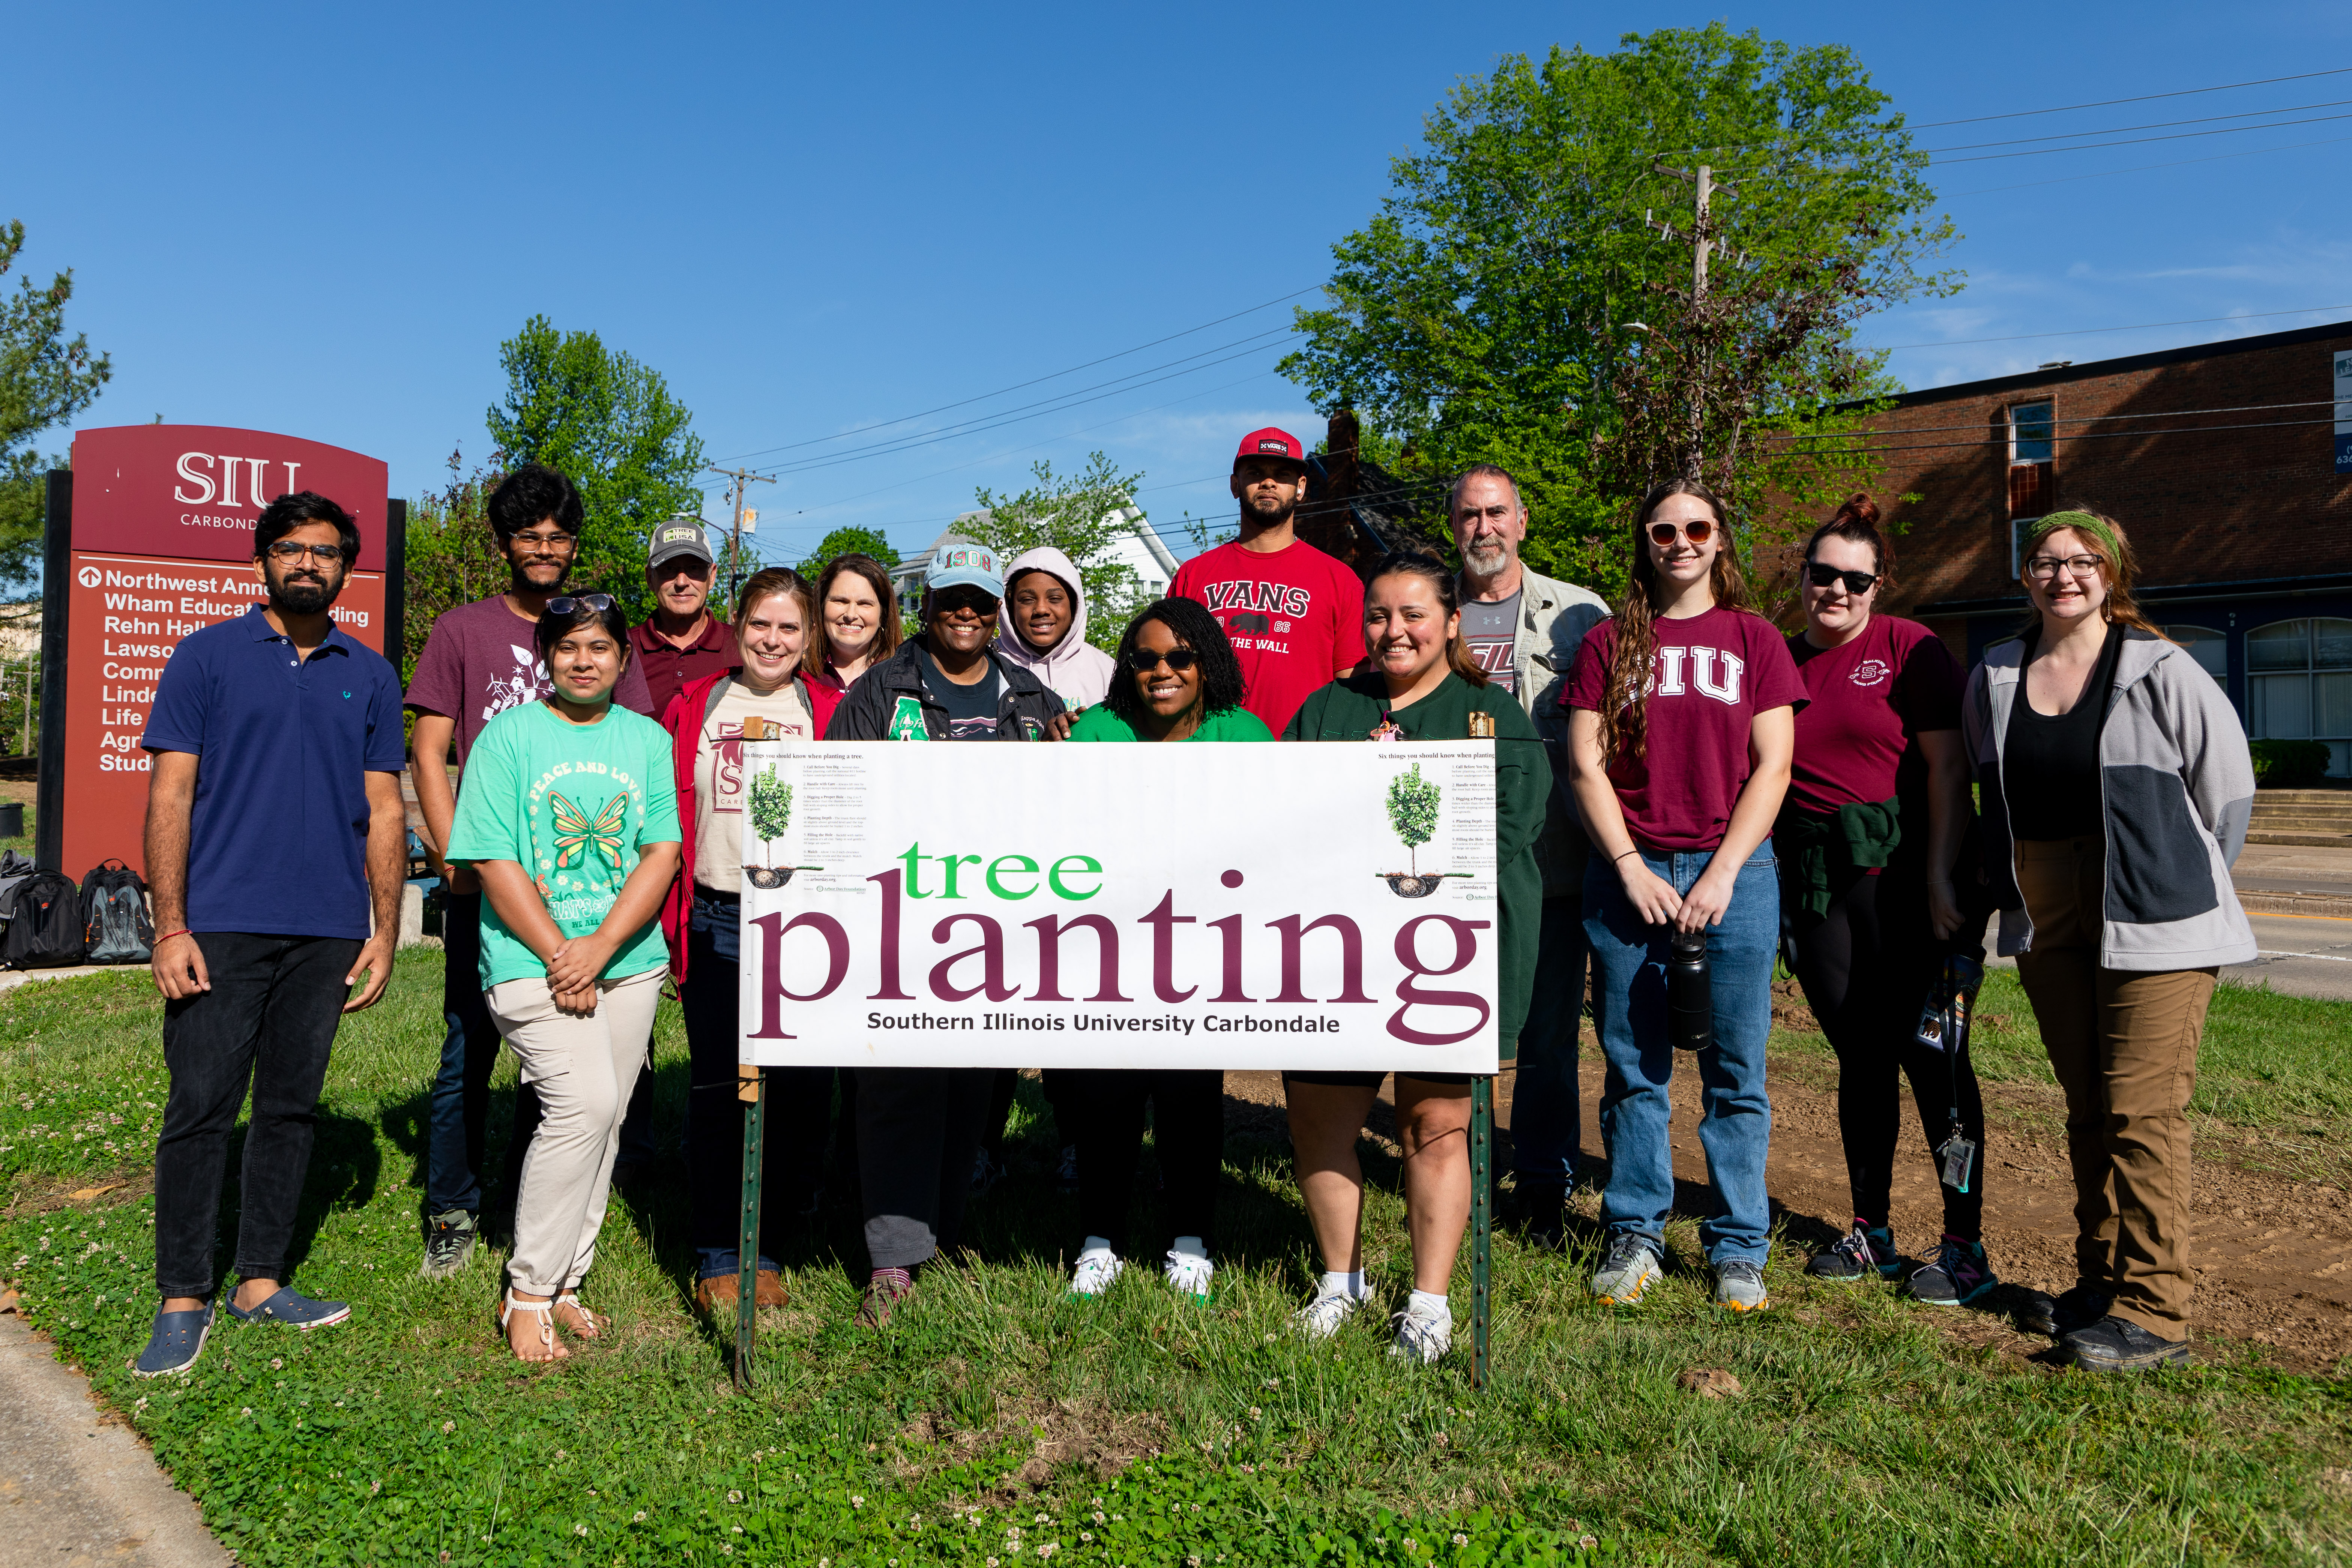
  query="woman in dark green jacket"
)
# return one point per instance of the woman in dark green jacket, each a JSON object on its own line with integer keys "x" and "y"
{"x": 1418, "y": 682}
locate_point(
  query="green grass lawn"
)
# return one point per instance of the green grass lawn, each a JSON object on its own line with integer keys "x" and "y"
{"x": 996, "y": 1423}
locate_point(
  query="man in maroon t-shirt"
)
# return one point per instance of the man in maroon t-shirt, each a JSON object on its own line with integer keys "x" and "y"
{"x": 1294, "y": 615}
{"x": 479, "y": 662}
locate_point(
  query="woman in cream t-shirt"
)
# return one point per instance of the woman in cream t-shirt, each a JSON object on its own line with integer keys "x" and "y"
{"x": 768, "y": 695}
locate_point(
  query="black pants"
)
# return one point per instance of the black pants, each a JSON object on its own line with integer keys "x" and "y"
{"x": 1001, "y": 1087}
{"x": 1866, "y": 969}
{"x": 453, "y": 1174}
{"x": 269, "y": 1019}
{"x": 799, "y": 1102}
{"x": 917, "y": 1128}
{"x": 1106, "y": 1112}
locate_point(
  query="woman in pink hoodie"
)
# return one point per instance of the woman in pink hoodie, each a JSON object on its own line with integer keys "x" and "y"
{"x": 1044, "y": 629}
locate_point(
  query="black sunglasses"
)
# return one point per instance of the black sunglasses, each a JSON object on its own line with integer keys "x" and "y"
{"x": 1821, "y": 576}
{"x": 565, "y": 604}
{"x": 1143, "y": 662}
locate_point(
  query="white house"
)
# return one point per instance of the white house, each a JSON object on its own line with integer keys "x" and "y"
{"x": 1137, "y": 547}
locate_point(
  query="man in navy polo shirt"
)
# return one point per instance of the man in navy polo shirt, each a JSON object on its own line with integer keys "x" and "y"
{"x": 274, "y": 822}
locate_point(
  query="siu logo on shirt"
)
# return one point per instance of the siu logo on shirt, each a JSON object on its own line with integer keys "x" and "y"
{"x": 1870, "y": 672}
{"x": 1713, "y": 672}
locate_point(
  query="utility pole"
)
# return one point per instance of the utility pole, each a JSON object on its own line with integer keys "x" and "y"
{"x": 1703, "y": 240}
{"x": 735, "y": 546}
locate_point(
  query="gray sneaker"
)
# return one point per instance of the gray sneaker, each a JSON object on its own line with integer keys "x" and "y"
{"x": 449, "y": 1246}
{"x": 1628, "y": 1272}
{"x": 1739, "y": 1284}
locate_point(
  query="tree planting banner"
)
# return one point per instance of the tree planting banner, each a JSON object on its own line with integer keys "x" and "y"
{"x": 1200, "y": 905}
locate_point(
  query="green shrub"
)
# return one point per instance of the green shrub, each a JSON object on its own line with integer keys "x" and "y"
{"x": 2289, "y": 764}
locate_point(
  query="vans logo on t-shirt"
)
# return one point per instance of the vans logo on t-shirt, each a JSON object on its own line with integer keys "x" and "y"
{"x": 1269, "y": 598}
{"x": 1713, "y": 672}
{"x": 1870, "y": 672}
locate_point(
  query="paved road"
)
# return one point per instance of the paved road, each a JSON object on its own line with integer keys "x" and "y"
{"x": 2303, "y": 955}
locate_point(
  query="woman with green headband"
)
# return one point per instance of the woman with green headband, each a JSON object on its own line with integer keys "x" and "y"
{"x": 2116, "y": 785}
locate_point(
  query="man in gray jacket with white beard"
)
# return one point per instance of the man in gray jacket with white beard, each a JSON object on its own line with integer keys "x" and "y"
{"x": 1523, "y": 629}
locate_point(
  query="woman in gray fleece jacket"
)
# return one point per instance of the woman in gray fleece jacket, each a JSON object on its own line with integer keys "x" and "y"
{"x": 2115, "y": 786}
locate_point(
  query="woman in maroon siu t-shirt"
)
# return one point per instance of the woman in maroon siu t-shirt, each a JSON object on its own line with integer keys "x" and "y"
{"x": 1877, "y": 810}
{"x": 1679, "y": 735}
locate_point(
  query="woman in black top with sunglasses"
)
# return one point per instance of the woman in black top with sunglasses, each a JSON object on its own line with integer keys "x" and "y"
{"x": 1177, "y": 679}
{"x": 1875, "y": 816}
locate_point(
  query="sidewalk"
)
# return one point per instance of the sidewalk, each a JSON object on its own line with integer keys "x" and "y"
{"x": 76, "y": 1486}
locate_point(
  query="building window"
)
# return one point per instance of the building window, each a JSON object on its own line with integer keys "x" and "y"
{"x": 2019, "y": 527}
{"x": 2209, "y": 647}
{"x": 2299, "y": 686}
{"x": 2033, "y": 435}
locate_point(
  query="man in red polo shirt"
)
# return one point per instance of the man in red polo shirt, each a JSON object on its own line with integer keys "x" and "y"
{"x": 1295, "y": 616}
{"x": 682, "y": 641}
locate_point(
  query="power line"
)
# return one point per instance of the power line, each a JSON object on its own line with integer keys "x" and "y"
{"x": 2136, "y": 141}
{"x": 2075, "y": 419}
{"x": 2143, "y": 168}
{"x": 2154, "y": 125}
{"x": 2088, "y": 435}
{"x": 2144, "y": 326}
{"x": 2143, "y": 98}
{"x": 1019, "y": 386}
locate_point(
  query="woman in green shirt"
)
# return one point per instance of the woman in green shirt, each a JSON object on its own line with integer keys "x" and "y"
{"x": 569, "y": 814}
{"x": 1177, "y": 679}
{"x": 1418, "y": 682}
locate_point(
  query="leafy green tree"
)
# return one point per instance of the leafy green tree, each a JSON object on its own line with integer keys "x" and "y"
{"x": 1413, "y": 812}
{"x": 452, "y": 556}
{"x": 609, "y": 424}
{"x": 45, "y": 378}
{"x": 1085, "y": 516}
{"x": 1505, "y": 304}
{"x": 770, "y": 808}
{"x": 848, "y": 542}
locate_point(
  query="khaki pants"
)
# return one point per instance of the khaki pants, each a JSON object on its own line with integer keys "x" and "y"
{"x": 2123, "y": 1044}
{"x": 583, "y": 1069}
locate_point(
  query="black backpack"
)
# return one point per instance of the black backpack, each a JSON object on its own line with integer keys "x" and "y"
{"x": 115, "y": 925}
{"x": 44, "y": 923}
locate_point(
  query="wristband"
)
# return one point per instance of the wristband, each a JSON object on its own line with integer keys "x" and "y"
{"x": 1621, "y": 857}
{"x": 170, "y": 935}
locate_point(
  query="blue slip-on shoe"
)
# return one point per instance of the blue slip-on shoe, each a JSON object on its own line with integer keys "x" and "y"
{"x": 177, "y": 1340}
{"x": 293, "y": 1308}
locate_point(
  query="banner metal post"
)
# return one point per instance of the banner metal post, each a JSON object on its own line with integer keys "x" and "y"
{"x": 1482, "y": 1205}
{"x": 752, "y": 1090}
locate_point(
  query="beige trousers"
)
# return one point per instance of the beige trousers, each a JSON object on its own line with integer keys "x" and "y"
{"x": 583, "y": 1069}
{"x": 2123, "y": 1046}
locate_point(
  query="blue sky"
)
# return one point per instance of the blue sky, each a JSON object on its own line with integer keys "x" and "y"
{"x": 323, "y": 220}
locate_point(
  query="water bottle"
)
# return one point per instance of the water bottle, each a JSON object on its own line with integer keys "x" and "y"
{"x": 1690, "y": 1000}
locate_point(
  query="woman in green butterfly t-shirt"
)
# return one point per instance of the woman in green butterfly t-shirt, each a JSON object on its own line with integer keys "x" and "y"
{"x": 569, "y": 814}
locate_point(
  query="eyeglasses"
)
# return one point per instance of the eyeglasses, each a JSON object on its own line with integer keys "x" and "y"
{"x": 560, "y": 543}
{"x": 286, "y": 550}
{"x": 1143, "y": 662}
{"x": 1821, "y": 576}
{"x": 2043, "y": 568}
{"x": 566, "y": 604}
{"x": 1697, "y": 529}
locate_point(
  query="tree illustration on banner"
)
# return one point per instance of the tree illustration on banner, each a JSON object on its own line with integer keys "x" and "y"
{"x": 1413, "y": 812}
{"x": 771, "y": 811}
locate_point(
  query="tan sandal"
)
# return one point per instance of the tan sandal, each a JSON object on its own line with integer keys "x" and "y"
{"x": 591, "y": 1326}
{"x": 546, "y": 1310}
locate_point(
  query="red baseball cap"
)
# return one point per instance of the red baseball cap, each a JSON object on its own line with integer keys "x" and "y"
{"x": 1271, "y": 443}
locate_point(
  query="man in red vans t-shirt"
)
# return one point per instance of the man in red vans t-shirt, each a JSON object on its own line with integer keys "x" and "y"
{"x": 1295, "y": 616}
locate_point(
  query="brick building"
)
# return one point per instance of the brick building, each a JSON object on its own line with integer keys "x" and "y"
{"x": 2221, "y": 464}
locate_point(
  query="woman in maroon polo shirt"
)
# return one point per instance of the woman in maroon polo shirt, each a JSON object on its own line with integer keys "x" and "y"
{"x": 1875, "y": 816}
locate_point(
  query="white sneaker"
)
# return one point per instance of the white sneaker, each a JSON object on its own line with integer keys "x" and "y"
{"x": 1321, "y": 1317}
{"x": 1097, "y": 1268}
{"x": 1421, "y": 1337}
{"x": 1189, "y": 1274}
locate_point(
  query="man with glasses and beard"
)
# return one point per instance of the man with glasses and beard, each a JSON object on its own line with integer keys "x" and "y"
{"x": 1524, "y": 630}
{"x": 1294, "y": 615}
{"x": 479, "y": 662}
{"x": 274, "y": 829}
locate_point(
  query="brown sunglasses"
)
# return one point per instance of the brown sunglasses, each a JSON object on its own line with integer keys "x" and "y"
{"x": 1697, "y": 529}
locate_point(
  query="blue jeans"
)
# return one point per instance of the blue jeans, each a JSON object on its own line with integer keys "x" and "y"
{"x": 1735, "y": 1116}
{"x": 799, "y": 1100}
{"x": 1547, "y": 1120}
{"x": 461, "y": 1090}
